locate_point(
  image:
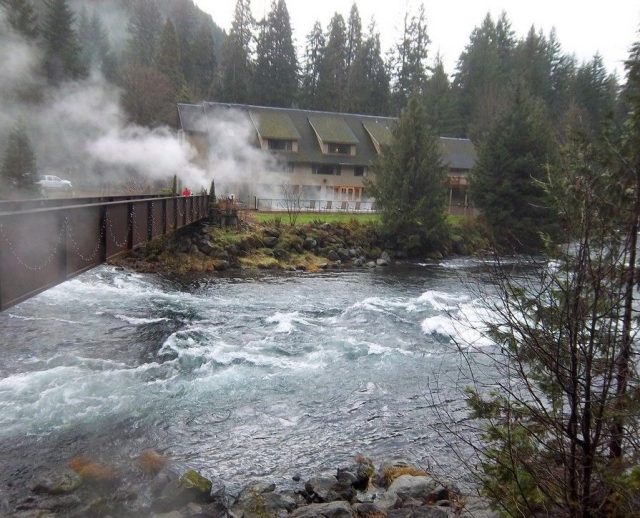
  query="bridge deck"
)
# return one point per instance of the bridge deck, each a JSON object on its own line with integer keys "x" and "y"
{"x": 47, "y": 243}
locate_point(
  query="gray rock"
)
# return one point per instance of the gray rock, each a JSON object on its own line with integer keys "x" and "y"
{"x": 328, "y": 489}
{"x": 280, "y": 254}
{"x": 408, "y": 486}
{"x": 333, "y": 256}
{"x": 477, "y": 507}
{"x": 353, "y": 252}
{"x": 273, "y": 232}
{"x": 206, "y": 247}
{"x": 337, "y": 509}
{"x": 261, "y": 501}
{"x": 359, "y": 262}
{"x": 193, "y": 249}
{"x": 417, "y": 512}
{"x": 385, "y": 256}
{"x": 270, "y": 241}
{"x": 369, "y": 510}
{"x": 221, "y": 265}
{"x": 371, "y": 264}
{"x": 382, "y": 262}
{"x": 309, "y": 243}
{"x": 343, "y": 253}
{"x": 191, "y": 487}
{"x": 58, "y": 483}
{"x": 323, "y": 266}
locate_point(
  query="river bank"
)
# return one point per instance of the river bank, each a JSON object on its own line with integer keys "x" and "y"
{"x": 271, "y": 245}
{"x": 149, "y": 486}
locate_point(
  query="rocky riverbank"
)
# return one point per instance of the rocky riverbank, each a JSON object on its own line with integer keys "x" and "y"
{"x": 149, "y": 486}
{"x": 312, "y": 247}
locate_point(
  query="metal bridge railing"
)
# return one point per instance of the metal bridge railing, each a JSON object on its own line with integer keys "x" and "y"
{"x": 41, "y": 247}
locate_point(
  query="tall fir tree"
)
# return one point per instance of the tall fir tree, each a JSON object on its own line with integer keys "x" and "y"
{"x": 168, "y": 62}
{"x": 313, "y": 55}
{"x": 96, "y": 53}
{"x": 354, "y": 35}
{"x": 440, "y": 103}
{"x": 19, "y": 170}
{"x": 145, "y": 27}
{"x": 595, "y": 92}
{"x": 204, "y": 64}
{"x": 332, "y": 75}
{"x": 276, "y": 73}
{"x": 483, "y": 77}
{"x": 409, "y": 184}
{"x": 410, "y": 58}
{"x": 21, "y": 17}
{"x": 368, "y": 81}
{"x": 507, "y": 179}
{"x": 236, "y": 68}
{"x": 62, "y": 52}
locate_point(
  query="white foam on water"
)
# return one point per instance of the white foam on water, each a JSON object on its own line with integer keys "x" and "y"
{"x": 285, "y": 322}
{"x": 441, "y": 301}
{"x": 466, "y": 325}
{"x": 139, "y": 321}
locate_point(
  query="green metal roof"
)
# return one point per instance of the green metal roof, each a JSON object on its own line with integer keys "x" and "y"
{"x": 360, "y": 130}
{"x": 332, "y": 129}
{"x": 378, "y": 131}
{"x": 274, "y": 125}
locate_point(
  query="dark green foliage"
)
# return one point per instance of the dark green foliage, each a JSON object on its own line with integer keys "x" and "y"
{"x": 368, "y": 81}
{"x": 203, "y": 64}
{"x": 409, "y": 61}
{"x": 506, "y": 181}
{"x": 168, "y": 62}
{"x": 276, "y": 74}
{"x": 354, "y": 35}
{"x": 148, "y": 97}
{"x": 96, "y": 53}
{"x": 21, "y": 17}
{"x": 145, "y": 26}
{"x": 595, "y": 92}
{"x": 332, "y": 74}
{"x": 440, "y": 103}
{"x": 236, "y": 68}
{"x": 409, "y": 184}
{"x": 483, "y": 74}
{"x": 62, "y": 52}
{"x": 19, "y": 171}
{"x": 314, "y": 52}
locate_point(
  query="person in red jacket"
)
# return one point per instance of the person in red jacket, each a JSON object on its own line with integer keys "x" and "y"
{"x": 186, "y": 191}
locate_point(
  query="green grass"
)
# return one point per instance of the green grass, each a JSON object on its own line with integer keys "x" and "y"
{"x": 311, "y": 217}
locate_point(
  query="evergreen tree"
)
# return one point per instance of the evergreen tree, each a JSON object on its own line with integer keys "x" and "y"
{"x": 168, "y": 62}
{"x": 145, "y": 27}
{"x": 506, "y": 183}
{"x": 236, "y": 66}
{"x": 332, "y": 75}
{"x": 409, "y": 184}
{"x": 19, "y": 171}
{"x": 21, "y": 17}
{"x": 595, "y": 92}
{"x": 276, "y": 74}
{"x": 410, "y": 60}
{"x": 563, "y": 69}
{"x": 96, "y": 51}
{"x": 354, "y": 35}
{"x": 314, "y": 53}
{"x": 440, "y": 103}
{"x": 483, "y": 76}
{"x": 62, "y": 52}
{"x": 203, "y": 60}
{"x": 368, "y": 82}
{"x": 532, "y": 65}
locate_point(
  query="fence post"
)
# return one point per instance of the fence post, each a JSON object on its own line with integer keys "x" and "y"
{"x": 103, "y": 233}
{"x": 129, "y": 226}
{"x": 62, "y": 261}
{"x": 149, "y": 219}
{"x": 164, "y": 216}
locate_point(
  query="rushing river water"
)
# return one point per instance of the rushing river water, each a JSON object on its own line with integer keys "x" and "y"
{"x": 254, "y": 377}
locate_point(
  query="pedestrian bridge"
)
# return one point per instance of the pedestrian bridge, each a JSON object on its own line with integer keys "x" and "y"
{"x": 46, "y": 242}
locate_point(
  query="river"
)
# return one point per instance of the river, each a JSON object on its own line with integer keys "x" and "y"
{"x": 252, "y": 376}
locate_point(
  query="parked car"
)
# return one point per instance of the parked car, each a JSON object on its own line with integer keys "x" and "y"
{"x": 50, "y": 184}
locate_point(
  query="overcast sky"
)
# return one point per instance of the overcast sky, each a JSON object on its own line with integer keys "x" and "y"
{"x": 583, "y": 27}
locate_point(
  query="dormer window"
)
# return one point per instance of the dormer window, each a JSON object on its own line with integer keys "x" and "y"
{"x": 280, "y": 145}
{"x": 339, "y": 149}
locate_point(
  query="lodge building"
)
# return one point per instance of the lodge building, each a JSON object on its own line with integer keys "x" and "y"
{"x": 326, "y": 156}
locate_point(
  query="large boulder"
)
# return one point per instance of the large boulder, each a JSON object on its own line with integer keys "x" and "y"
{"x": 270, "y": 241}
{"x": 262, "y": 501}
{"x": 190, "y": 487}
{"x": 328, "y": 489}
{"x": 343, "y": 253}
{"x": 58, "y": 483}
{"x": 309, "y": 243}
{"x": 337, "y": 509}
{"x": 333, "y": 256}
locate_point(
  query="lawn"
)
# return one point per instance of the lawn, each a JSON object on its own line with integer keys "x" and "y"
{"x": 317, "y": 217}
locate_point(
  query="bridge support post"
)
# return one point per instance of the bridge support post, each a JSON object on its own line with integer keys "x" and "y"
{"x": 103, "y": 234}
{"x": 129, "y": 226}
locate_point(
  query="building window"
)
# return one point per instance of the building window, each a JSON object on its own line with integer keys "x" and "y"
{"x": 339, "y": 149}
{"x": 328, "y": 169}
{"x": 280, "y": 145}
{"x": 359, "y": 170}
